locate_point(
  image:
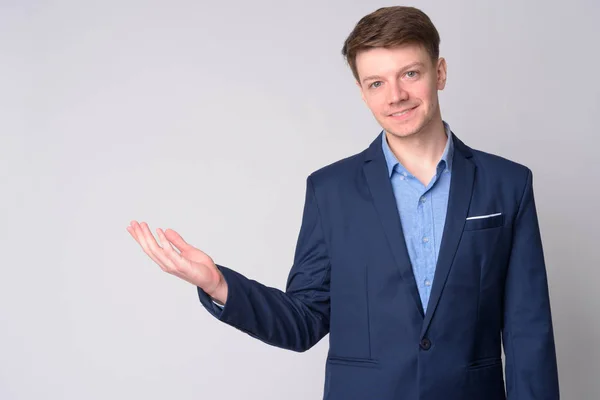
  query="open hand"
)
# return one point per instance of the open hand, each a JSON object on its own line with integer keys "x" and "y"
{"x": 190, "y": 264}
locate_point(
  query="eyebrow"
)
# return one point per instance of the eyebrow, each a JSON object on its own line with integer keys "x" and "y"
{"x": 415, "y": 64}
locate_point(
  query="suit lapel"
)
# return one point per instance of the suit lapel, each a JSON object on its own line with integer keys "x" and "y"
{"x": 461, "y": 188}
{"x": 376, "y": 172}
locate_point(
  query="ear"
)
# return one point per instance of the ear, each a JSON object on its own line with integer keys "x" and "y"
{"x": 442, "y": 70}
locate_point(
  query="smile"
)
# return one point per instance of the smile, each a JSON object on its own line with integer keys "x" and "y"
{"x": 403, "y": 115}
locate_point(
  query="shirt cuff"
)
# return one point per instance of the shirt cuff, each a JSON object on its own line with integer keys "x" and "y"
{"x": 217, "y": 303}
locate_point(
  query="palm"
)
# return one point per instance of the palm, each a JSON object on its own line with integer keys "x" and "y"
{"x": 203, "y": 271}
{"x": 189, "y": 263}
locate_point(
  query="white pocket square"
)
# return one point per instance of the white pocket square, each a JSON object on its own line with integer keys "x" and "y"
{"x": 484, "y": 216}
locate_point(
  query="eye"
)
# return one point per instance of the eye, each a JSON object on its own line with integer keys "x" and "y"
{"x": 412, "y": 74}
{"x": 373, "y": 84}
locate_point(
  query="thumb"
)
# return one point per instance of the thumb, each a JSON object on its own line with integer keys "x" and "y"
{"x": 177, "y": 240}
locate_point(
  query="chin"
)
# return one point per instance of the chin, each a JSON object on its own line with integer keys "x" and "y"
{"x": 404, "y": 131}
{"x": 403, "y": 134}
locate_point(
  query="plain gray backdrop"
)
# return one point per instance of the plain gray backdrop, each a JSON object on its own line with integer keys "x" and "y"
{"x": 206, "y": 117}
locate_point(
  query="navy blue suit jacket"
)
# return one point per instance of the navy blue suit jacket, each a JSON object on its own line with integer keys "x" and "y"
{"x": 352, "y": 278}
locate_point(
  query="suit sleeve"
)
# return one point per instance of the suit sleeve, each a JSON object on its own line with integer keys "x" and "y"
{"x": 528, "y": 338}
{"x": 297, "y": 318}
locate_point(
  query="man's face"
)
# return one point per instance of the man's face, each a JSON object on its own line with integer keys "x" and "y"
{"x": 399, "y": 85}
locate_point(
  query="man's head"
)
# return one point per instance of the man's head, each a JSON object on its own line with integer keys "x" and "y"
{"x": 394, "y": 56}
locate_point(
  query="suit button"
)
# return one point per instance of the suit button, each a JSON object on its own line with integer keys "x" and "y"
{"x": 425, "y": 344}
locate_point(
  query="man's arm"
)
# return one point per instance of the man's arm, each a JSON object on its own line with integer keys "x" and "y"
{"x": 297, "y": 318}
{"x": 528, "y": 338}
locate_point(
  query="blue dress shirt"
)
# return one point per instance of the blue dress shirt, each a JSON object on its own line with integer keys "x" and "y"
{"x": 422, "y": 212}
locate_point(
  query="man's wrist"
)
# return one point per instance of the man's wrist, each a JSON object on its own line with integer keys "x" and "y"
{"x": 219, "y": 295}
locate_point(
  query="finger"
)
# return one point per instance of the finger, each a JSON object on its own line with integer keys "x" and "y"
{"x": 181, "y": 264}
{"x": 139, "y": 236}
{"x": 136, "y": 231}
{"x": 144, "y": 242}
{"x": 167, "y": 245}
{"x": 132, "y": 233}
{"x": 177, "y": 240}
{"x": 172, "y": 266}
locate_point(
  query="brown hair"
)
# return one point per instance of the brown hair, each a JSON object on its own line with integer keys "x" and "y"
{"x": 388, "y": 27}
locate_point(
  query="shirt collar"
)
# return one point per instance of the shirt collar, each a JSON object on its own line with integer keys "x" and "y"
{"x": 393, "y": 163}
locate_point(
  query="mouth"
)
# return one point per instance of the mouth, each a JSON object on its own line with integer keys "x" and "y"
{"x": 401, "y": 115}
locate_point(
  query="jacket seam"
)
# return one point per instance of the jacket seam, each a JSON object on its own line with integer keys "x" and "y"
{"x": 510, "y": 334}
{"x": 312, "y": 188}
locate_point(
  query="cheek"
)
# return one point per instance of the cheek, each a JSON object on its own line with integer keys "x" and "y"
{"x": 376, "y": 104}
{"x": 424, "y": 89}
{"x": 422, "y": 93}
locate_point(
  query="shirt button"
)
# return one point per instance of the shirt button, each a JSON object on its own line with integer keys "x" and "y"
{"x": 404, "y": 173}
{"x": 425, "y": 239}
{"x": 423, "y": 199}
{"x": 427, "y": 282}
{"x": 425, "y": 344}
{"x": 401, "y": 177}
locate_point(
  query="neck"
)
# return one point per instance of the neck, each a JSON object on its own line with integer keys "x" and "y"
{"x": 421, "y": 151}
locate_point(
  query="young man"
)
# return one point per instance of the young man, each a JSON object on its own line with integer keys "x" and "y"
{"x": 419, "y": 256}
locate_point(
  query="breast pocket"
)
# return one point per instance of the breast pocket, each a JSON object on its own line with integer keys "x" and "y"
{"x": 484, "y": 222}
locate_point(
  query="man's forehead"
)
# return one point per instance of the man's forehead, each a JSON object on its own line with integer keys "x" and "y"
{"x": 386, "y": 62}
{"x": 398, "y": 56}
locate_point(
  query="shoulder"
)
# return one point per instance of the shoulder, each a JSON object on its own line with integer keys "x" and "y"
{"x": 498, "y": 163}
{"x": 337, "y": 171}
{"x": 501, "y": 170}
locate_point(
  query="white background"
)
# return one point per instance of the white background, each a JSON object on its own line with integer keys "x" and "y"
{"x": 206, "y": 117}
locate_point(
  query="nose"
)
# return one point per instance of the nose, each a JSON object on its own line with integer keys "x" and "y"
{"x": 397, "y": 93}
